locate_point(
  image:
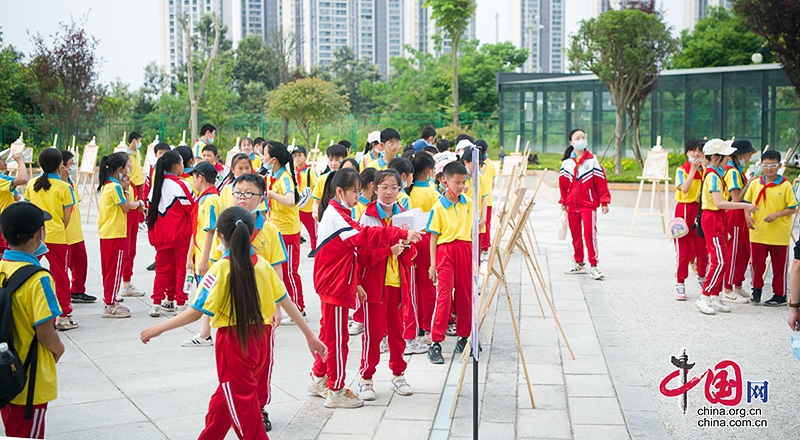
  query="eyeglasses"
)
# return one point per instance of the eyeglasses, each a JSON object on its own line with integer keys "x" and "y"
{"x": 243, "y": 195}
{"x": 389, "y": 188}
{"x": 770, "y": 166}
{"x": 393, "y": 143}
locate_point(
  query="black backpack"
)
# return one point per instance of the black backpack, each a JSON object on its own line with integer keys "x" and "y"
{"x": 14, "y": 376}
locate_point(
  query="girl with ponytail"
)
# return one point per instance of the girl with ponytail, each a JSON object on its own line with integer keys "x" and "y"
{"x": 284, "y": 212}
{"x": 239, "y": 293}
{"x": 169, "y": 228}
{"x": 55, "y": 196}
{"x": 112, "y": 225}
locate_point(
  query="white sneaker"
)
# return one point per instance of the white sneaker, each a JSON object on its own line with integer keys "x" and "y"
{"x": 130, "y": 290}
{"x": 65, "y": 323}
{"x": 680, "y": 292}
{"x": 343, "y": 398}
{"x": 318, "y": 386}
{"x": 415, "y": 346}
{"x": 701, "y": 281}
{"x": 736, "y": 296}
{"x": 400, "y": 386}
{"x": 576, "y": 269}
{"x": 198, "y": 341}
{"x": 426, "y": 339}
{"x": 287, "y": 321}
{"x": 179, "y": 309}
{"x": 384, "y": 345}
{"x": 366, "y": 389}
{"x": 155, "y": 311}
{"x": 143, "y": 227}
{"x": 718, "y": 305}
{"x": 116, "y": 311}
{"x": 704, "y": 304}
{"x": 595, "y": 273}
{"x": 355, "y": 328}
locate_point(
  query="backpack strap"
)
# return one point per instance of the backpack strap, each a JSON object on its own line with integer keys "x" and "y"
{"x": 13, "y": 283}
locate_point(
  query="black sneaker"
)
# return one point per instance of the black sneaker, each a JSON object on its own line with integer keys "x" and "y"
{"x": 83, "y": 298}
{"x": 302, "y": 240}
{"x": 168, "y": 307}
{"x": 435, "y": 354}
{"x": 775, "y": 301}
{"x": 462, "y": 342}
{"x": 152, "y": 267}
{"x": 755, "y": 297}
{"x": 311, "y": 254}
{"x": 265, "y": 418}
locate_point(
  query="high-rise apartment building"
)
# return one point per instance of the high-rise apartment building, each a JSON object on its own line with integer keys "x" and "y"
{"x": 597, "y": 7}
{"x": 172, "y": 38}
{"x": 694, "y": 10}
{"x": 538, "y": 25}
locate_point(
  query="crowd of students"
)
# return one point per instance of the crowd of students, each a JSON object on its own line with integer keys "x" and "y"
{"x": 238, "y": 230}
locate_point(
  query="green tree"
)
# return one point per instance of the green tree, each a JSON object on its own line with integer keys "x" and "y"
{"x": 195, "y": 95}
{"x": 452, "y": 16}
{"x": 256, "y": 73}
{"x": 14, "y": 94}
{"x": 719, "y": 39}
{"x": 310, "y": 103}
{"x": 478, "y": 68}
{"x": 348, "y": 72}
{"x": 627, "y": 50}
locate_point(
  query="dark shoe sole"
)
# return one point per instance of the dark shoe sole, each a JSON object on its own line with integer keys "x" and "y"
{"x": 151, "y": 267}
{"x": 773, "y": 304}
{"x": 437, "y": 361}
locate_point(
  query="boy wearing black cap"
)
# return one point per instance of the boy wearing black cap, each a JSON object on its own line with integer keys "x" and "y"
{"x": 738, "y": 255}
{"x": 34, "y": 306}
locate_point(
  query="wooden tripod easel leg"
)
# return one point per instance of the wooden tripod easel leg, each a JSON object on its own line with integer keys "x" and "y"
{"x": 636, "y": 207}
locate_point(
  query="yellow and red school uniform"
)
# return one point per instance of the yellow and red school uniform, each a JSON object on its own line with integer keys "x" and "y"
{"x": 112, "y": 227}
{"x": 417, "y": 317}
{"x": 287, "y": 219}
{"x": 7, "y": 193}
{"x": 387, "y": 281}
{"x": 77, "y": 259}
{"x": 55, "y": 200}
{"x": 255, "y": 162}
{"x": 306, "y": 181}
{"x": 452, "y": 224}
{"x": 489, "y": 172}
{"x": 204, "y": 219}
{"x": 366, "y": 159}
{"x": 266, "y": 240}
{"x": 771, "y": 239}
{"x": 240, "y": 371}
{"x": 381, "y": 164}
{"x": 483, "y": 193}
{"x": 738, "y": 249}
{"x": 713, "y": 221}
{"x": 171, "y": 235}
{"x": 690, "y": 247}
{"x": 136, "y": 192}
{"x": 33, "y": 304}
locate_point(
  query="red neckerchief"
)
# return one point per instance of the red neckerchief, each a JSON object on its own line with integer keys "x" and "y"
{"x": 580, "y": 160}
{"x": 687, "y": 166}
{"x": 218, "y": 167}
{"x": 734, "y": 167}
{"x": 765, "y": 185}
{"x": 710, "y": 169}
{"x": 196, "y": 210}
{"x": 300, "y": 174}
{"x": 372, "y": 211}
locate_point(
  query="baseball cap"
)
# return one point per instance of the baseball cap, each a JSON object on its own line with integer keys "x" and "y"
{"x": 462, "y": 144}
{"x": 440, "y": 166}
{"x": 373, "y": 137}
{"x": 300, "y": 149}
{"x": 205, "y": 169}
{"x": 420, "y": 144}
{"x": 718, "y": 146}
{"x": 22, "y": 218}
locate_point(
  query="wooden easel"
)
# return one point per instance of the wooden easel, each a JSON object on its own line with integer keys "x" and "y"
{"x": 19, "y": 147}
{"x": 314, "y": 153}
{"x": 86, "y": 177}
{"x": 656, "y": 171}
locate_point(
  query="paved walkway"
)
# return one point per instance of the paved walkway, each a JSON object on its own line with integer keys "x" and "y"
{"x": 622, "y": 331}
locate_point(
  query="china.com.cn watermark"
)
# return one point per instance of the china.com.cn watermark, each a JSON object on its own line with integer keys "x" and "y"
{"x": 723, "y": 386}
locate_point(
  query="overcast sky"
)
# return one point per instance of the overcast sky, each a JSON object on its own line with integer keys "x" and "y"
{"x": 129, "y": 33}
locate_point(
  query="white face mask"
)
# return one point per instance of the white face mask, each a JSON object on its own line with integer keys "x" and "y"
{"x": 580, "y": 145}
{"x": 138, "y": 144}
{"x": 211, "y": 140}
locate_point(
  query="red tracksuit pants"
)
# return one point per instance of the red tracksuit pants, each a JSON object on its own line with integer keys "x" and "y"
{"x": 171, "y": 273}
{"x": 112, "y": 252}
{"x": 307, "y": 219}
{"x": 419, "y": 300}
{"x": 690, "y": 247}
{"x": 485, "y": 238}
{"x": 738, "y": 256}
{"x": 291, "y": 273}
{"x": 241, "y": 392}
{"x": 333, "y": 333}
{"x": 383, "y": 318}
{"x": 134, "y": 218}
{"x": 716, "y": 247}
{"x": 78, "y": 265}
{"x": 780, "y": 265}
{"x": 15, "y": 424}
{"x": 583, "y": 227}
{"x": 453, "y": 266}
{"x": 57, "y": 258}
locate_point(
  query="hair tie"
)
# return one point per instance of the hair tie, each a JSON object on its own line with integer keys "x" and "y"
{"x": 238, "y": 222}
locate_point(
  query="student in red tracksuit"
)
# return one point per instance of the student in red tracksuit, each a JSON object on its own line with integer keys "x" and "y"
{"x": 239, "y": 292}
{"x": 584, "y": 188}
{"x": 738, "y": 250}
{"x": 714, "y": 203}
{"x": 336, "y": 280}
{"x": 690, "y": 247}
{"x": 158, "y": 150}
{"x": 386, "y": 279}
{"x": 169, "y": 228}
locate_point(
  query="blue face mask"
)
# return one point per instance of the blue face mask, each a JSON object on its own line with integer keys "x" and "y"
{"x": 186, "y": 170}
{"x": 442, "y": 188}
{"x": 405, "y": 184}
{"x": 254, "y": 210}
{"x": 430, "y": 180}
{"x": 580, "y": 145}
{"x": 41, "y": 250}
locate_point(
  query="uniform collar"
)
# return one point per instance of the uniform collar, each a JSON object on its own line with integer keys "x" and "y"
{"x": 382, "y": 212}
{"x": 259, "y": 222}
{"x": 252, "y": 155}
{"x": 211, "y": 190}
{"x": 778, "y": 181}
{"x": 111, "y": 179}
{"x": 23, "y": 257}
{"x": 447, "y": 203}
{"x": 422, "y": 183}
{"x": 227, "y": 252}
{"x": 280, "y": 171}
{"x": 363, "y": 200}
{"x": 53, "y": 176}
